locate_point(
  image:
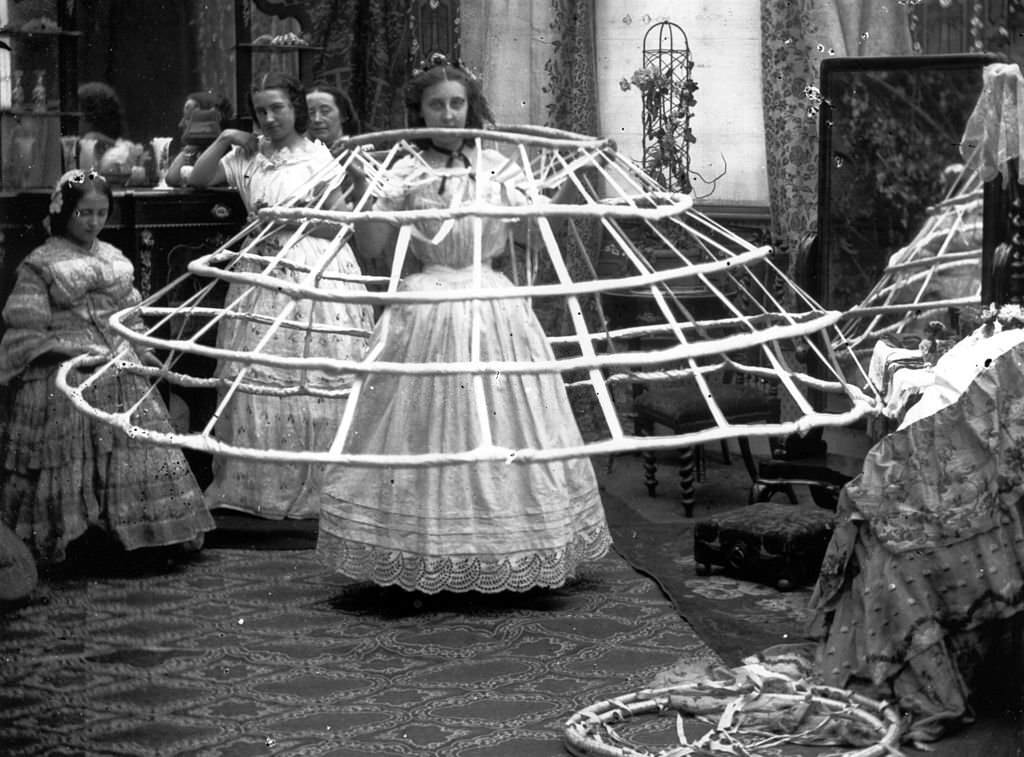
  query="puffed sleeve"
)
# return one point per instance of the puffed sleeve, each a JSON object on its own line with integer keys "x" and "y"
{"x": 234, "y": 162}
{"x": 28, "y": 306}
{"x": 511, "y": 180}
{"x": 392, "y": 188}
{"x": 29, "y": 320}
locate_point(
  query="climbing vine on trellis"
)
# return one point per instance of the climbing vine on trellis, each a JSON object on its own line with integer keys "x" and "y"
{"x": 666, "y": 86}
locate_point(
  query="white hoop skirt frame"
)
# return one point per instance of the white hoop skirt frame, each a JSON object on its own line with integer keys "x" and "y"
{"x": 938, "y": 271}
{"x": 750, "y": 335}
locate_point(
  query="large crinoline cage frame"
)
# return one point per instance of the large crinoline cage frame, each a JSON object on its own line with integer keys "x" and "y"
{"x": 936, "y": 273}
{"x": 754, "y": 337}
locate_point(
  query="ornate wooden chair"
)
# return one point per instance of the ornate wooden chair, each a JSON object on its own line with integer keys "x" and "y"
{"x": 798, "y": 461}
{"x": 681, "y": 408}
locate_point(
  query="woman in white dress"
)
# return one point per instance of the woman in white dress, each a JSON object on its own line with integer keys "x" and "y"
{"x": 269, "y": 170}
{"x": 478, "y": 526}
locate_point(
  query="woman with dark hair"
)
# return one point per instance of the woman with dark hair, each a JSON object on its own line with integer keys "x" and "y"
{"x": 61, "y": 472}
{"x": 101, "y": 111}
{"x": 478, "y": 525}
{"x": 100, "y": 126}
{"x": 417, "y": 115}
{"x": 331, "y": 115}
{"x": 267, "y": 170}
{"x": 198, "y": 130}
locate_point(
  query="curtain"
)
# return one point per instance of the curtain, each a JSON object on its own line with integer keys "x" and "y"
{"x": 333, "y": 29}
{"x": 538, "y": 61}
{"x": 508, "y": 43}
{"x": 572, "y": 85}
{"x": 572, "y": 106}
{"x": 795, "y": 37}
{"x": 571, "y": 69}
{"x": 215, "y": 48}
{"x": 371, "y": 38}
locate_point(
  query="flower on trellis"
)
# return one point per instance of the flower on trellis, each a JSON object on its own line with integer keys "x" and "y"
{"x": 668, "y": 101}
{"x": 647, "y": 80}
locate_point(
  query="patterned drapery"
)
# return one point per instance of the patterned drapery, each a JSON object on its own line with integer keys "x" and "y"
{"x": 367, "y": 51}
{"x": 572, "y": 106}
{"x": 370, "y": 46}
{"x": 572, "y": 77}
{"x": 795, "y": 37}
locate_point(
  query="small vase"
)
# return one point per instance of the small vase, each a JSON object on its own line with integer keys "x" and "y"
{"x": 17, "y": 93}
{"x": 39, "y": 92}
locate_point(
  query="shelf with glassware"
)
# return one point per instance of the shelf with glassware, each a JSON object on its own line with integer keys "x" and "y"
{"x": 33, "y": 149}
{"x": 37, "y": 95}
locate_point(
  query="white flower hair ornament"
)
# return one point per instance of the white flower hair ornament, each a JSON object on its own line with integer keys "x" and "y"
{"x": 74, "y": 176}
{"x": 56, "y": 200}
{"x": 440, "y": 59}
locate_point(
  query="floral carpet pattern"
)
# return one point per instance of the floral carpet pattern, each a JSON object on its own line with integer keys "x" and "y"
{"x": 243, "y": 652}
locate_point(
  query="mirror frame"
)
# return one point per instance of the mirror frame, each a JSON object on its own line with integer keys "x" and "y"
{"x": 819, "y": 274}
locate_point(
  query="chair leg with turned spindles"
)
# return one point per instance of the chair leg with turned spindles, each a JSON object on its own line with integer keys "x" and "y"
{"x": 650, "y": 473}
{"x": 680, "y": 409}
{"x": 689, "y": 472}
{"x": 691, "y": 469}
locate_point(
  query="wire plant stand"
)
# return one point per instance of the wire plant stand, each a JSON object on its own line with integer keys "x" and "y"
{"x": 667, "y": 86}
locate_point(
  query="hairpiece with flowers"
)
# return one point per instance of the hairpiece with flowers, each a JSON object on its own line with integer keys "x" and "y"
{"x": 440, "y": 59}
{"x": 74, "y": 176}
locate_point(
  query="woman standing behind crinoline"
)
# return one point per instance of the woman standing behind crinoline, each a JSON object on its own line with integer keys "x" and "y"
{"x": 61, "y": 472}
{"x": 269, "y": 170}
{"x": 479, "y": 526}
{"x": 331, "y": 116}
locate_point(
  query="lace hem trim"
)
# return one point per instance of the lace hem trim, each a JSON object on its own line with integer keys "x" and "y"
{"x": 488, "y": 574}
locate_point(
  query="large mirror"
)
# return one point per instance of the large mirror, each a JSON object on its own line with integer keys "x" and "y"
{"x": 899, "y": 215}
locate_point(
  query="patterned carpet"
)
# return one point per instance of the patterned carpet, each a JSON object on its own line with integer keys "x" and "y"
{"x": 245, "y": 652}
{"x": 736, "y": 618}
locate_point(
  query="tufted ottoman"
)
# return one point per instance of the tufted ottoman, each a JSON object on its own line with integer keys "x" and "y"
{"x": 767, "y": 542}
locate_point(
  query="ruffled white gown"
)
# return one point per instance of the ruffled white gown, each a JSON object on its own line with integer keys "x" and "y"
{"x": 484, "y": 527}
{"x": 304, "y": 422}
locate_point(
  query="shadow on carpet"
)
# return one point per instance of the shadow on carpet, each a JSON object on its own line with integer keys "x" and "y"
{"x": 236, "y": 530}
{"x": 736, "y": 618}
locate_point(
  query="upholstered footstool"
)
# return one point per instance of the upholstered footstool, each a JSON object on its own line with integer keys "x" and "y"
{"x": 766, "y": 542}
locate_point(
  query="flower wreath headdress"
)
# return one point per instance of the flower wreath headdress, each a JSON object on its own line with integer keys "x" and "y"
{"x": 74, "y": 176}
{"x": 440, "y": 59}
